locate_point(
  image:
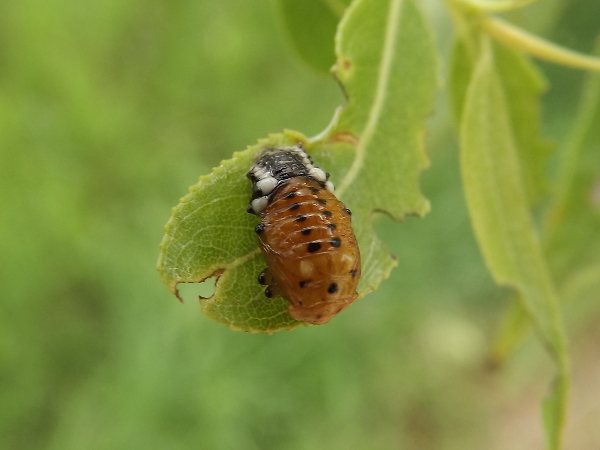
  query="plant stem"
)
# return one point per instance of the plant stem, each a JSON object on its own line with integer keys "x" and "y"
{"x": 516, "y": 38}
{"x": 494, "y": 6}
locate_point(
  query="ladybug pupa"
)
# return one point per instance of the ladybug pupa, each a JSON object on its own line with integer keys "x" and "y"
{"x": 305, "y": 235}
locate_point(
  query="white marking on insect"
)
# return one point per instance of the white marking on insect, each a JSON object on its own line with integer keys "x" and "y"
{"x": 317, "y": 174}
{"x": 259, "y": 204}
{"x": 329, "y": 186}
{"x": 306, "y": 268}
{"x": 265, "y": 174}
{"x": 266, "y": 185}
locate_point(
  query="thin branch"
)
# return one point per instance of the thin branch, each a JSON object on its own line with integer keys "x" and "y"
{"x": 540, "y": 48}
{"x": 494, "y": 6}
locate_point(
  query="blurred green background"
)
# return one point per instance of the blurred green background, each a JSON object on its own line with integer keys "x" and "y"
{"x": 109, "y": 110}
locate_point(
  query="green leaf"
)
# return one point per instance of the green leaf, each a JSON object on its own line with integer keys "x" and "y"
{"x": 373, "y": 150}
{"x": 514, "y": 328}
{"x": 376, "y": 139}
{"x": 523, "y": 85}
{"x": 573, "y": 223}
{"x": 460, "y": 70}
{"x": 311, "y": 26}
{"x": 571, "y": 235}
{"x": 210, "y": 234}
{"x": 499, "y": 210}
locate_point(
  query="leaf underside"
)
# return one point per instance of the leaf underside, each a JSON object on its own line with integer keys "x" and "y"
{"x": 387, "y": 68}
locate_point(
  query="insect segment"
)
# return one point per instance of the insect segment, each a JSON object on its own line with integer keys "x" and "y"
{"x": 305, "y": 234}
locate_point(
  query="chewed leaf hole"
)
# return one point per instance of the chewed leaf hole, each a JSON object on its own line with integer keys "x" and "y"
{"x": 193, "y": 291}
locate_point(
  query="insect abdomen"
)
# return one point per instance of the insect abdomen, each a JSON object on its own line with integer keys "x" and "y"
{"x": 308, "y": 243}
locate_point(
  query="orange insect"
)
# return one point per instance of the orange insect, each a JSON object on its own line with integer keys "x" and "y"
{"x": 305, "y": 234}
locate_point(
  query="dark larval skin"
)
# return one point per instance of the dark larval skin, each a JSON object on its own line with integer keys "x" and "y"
{"x": 281, "y": 165}
{"x": 305, "y": 234}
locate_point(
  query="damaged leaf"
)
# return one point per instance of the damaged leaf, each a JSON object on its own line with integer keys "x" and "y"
{"x": 387, "y": 68}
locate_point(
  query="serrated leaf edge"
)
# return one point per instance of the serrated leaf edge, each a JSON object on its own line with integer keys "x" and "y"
{"x": 385, "y": 68}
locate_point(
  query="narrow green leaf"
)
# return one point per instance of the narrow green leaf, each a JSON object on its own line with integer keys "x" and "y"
{"x": 459, "y": 75}
{"x": 571, "y": 235}
{"x": 554, "y": 410}
{"x": 514, "y": 327}
{"x": 573, "y": 224}
{"x": 499, "y": 210}
{"x": 523, "y": 85}
{"x": 373, "y": 150}
{"x": 311, "y": 26}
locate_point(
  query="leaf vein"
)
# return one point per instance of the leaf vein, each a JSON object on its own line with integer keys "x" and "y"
{"x": 383, "y": 77}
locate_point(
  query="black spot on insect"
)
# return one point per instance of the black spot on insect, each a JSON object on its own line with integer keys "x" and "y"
{"x": 322, "y": 200}
{"x": 303, "y": 285}
{"x": 327, "y": 213}
{"x": 336, "y": 242}
{"x": 262, "y": 277}
{"x": 353, "y": 272}
{"x": 268, "y": 293}
{"x": 319, "y": 316}
{"x": 290, "y": 194}
{"x": 349, "y": 212}
{"x": 314, "y": 247}
{"x": 294, "y": 206}
{"x": 301, "y": 218}
{"x": 327, "y": 175}
{"x": 249, "y": 210}
{"x": 306, "y": 231}
{"x": 259, "y": 228}
{"x": 333, "y": 287}
{"x": 332, "y": 226}
{"x": 314, "y": 189}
